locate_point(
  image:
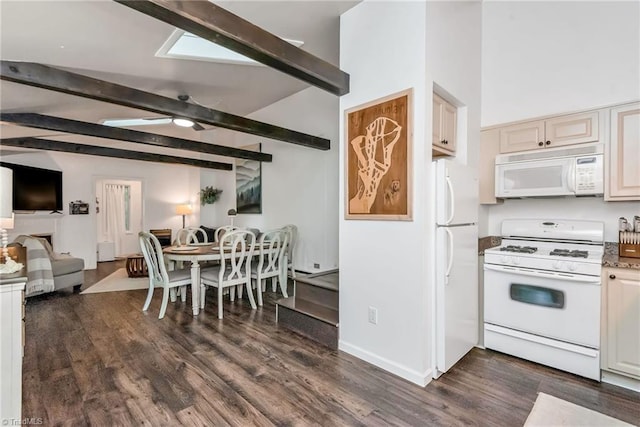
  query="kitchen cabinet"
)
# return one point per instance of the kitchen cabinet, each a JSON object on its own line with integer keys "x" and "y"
{"x": 445, "y": 121}
{"x": 550, "y": 133}
{"x": 621, "y": 169}
{"x": 489, "y": 149}
{"x": 621, "y": 321}
{"x": 11, "y": 347}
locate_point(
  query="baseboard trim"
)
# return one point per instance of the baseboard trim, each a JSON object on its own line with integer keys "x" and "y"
{"x": 420, "y": 379}
{"x": 620, "y": 381}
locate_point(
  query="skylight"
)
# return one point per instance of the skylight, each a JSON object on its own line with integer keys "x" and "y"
{"x": 185, "y": 45}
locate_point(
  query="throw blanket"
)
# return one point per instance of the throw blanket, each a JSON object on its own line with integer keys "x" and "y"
{"x": 39, "y": 274}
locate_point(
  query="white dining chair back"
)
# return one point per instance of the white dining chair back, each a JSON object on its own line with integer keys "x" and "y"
{"x": 188, "y": 235}
{"x": 234, "y": 268}
{"x": 292, "y": 230}
{"x": 159, "y": 277}
{"x": 222, "y": 230}
{"x": 271, "y": 261}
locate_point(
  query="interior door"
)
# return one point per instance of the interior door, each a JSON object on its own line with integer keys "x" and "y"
{"x": 456, "y": 294}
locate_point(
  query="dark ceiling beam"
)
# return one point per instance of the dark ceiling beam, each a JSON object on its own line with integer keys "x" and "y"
{"x": 218, "y": 25}
{"x": 91, "y": 150}
{"x": 40, "y": 121}
{"x": 46, "y": 77}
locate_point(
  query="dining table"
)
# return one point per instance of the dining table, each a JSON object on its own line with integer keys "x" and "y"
{"x": 197, "y": 253}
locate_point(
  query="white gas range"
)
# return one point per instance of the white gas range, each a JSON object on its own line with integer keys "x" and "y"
{"x": 542, "y": 293}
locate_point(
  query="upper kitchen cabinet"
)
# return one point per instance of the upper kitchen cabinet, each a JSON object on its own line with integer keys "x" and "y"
{"x": 624, "y": 154}
{"x": 489, "y": 149}
{"x": 445, "y": 121}
{"x": 553, "y": 132}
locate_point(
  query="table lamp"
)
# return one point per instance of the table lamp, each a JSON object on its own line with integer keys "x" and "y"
{"x": 6, "y": 220}
{"x": 231, "y": 213}
{"x": 184, "y": 210}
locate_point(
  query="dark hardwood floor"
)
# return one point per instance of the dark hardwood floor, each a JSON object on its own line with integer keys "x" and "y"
{"x": 97, "y": 359}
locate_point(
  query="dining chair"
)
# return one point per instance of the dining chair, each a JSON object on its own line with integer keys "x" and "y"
{"x": 222, "y": 230}
{"x": 292, "y": 230}
{"x": 159, "y": 277}
{"x": 234, "y": 269}
{"x": 188, "y": 235}
{"x": 271, "y": 263}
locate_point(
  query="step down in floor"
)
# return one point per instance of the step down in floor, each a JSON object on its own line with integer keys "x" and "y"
{"x": 313, "y": 311}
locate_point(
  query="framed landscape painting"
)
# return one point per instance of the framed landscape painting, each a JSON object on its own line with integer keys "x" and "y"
{"x": 249, "y": 183}
{"x": 378, "y": 159}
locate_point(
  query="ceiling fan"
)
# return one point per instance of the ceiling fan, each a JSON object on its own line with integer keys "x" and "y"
{"x": 146, "y": 121}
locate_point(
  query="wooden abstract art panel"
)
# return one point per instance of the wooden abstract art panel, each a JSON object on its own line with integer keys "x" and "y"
{"x": 378, "y": 159}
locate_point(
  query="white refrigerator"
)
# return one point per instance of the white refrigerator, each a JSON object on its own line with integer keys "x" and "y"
{"x": 456, "y": 299}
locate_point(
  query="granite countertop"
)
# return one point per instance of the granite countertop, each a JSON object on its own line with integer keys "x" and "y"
{"x": 488, "y": 242}
{"x": 612, "y": 259}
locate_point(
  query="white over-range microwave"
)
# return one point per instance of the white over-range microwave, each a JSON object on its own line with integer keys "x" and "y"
{"x": 571, "y": 171}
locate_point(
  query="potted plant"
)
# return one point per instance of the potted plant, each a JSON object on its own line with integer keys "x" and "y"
{"x": 209, "y": 195}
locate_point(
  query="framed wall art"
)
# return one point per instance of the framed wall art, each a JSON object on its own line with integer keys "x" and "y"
{"x": 378, "y": 159}
{"x": 249, "y": 183}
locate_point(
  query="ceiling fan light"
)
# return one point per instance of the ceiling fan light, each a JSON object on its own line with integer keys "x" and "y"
{"x": 185, "y": 123}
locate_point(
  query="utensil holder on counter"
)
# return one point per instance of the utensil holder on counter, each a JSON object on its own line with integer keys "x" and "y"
{"x": 629, "y": 244}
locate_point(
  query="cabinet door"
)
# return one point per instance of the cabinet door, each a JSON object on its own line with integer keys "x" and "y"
{"x": 522, "y": 137}
{"x": 489, "y": 148}
{"x": 437, "y": 119}
{"x": 623, "y": 321}
{"x": 449, "y": 123}
{"x": 572, "y": 129}
{"x": 444, "y": 127}
{"x": 624, "y": 152}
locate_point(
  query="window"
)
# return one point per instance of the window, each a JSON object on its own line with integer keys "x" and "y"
{"x": 127, "y": 208}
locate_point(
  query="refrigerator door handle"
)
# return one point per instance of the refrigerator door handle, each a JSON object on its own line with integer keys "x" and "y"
{"x": 450, "y": 255}
{"x": 451, "y": 200}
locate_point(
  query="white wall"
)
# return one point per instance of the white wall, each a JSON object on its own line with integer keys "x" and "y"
{"x": 163, "y": 186}
{"x": 387, "y": 47}
{"x": 299, "y": 187}
{"x": 541, "y": 58}
{"x": 382, "y": 263}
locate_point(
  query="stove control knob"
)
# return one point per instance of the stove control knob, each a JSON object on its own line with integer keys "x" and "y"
{"x": 516, "y": 260}
{"x": 572, "y": 266}
{"x": 504, "y": 259}
{"x": 556, "y": 264}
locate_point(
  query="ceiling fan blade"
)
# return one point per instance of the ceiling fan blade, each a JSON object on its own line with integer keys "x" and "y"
{"x": 198, "y": 126}
{"x": 137, "y": 122}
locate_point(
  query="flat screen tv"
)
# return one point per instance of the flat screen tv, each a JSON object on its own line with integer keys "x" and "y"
{"x": 35, "y": 189}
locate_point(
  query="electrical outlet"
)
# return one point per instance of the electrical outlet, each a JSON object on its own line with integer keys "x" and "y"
{"x": 316, "y": 265}
{"x": 373, "y": 315}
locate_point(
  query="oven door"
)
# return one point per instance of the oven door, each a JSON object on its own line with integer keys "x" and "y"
{"x": 560, "y": 306}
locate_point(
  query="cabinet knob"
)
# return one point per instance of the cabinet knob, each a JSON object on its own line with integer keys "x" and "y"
{"x": 540, "y": 143}
{"x": 612, "y": 276}
{"x": 548, "y": 142}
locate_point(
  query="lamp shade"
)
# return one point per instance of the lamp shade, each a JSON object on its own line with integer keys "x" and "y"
{"x": 6, "y": 193}
{"x": 184, "y": 210}
{"x": 7, "y": 223}
{"x": 232, "y": 212}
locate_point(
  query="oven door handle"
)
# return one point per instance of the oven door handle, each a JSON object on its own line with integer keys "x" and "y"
{"x": 547, "y": 275}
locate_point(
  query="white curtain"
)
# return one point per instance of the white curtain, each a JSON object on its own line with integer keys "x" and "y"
{"x": 114, "y": 214}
